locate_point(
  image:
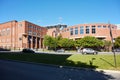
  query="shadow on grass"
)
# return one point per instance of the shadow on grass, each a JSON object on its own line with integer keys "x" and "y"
{"x": 107, "y": 62}
{"x": 39, "y": 58}
{"x": 47, "y": 59}
{"x": 79, "y": 64}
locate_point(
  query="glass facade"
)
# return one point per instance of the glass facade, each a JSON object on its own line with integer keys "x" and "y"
{"x": 76, "y": 30}
{"x": 87, "y": 29}
{"x": 81, "y": 30}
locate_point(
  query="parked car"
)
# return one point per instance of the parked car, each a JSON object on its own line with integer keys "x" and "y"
{"x": 3, "y": 49}
{"x": 89, "y": 51}
{"x": 61, "y": 50}
{"x": 27, "y": 50}
{"x": 117, "y": 50}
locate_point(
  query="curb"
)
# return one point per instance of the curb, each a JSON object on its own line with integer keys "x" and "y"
{"x": 112, "y": 71}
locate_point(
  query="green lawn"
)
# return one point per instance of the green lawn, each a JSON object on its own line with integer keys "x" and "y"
{"x": 97, "y": 61}
{"x": 76, "y": 60}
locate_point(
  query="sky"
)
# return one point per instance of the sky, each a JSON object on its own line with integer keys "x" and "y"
{"x": 52, "y": 12}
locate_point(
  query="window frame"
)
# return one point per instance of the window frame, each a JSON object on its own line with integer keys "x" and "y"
{"x": 81, "y": 29}
{"x": 93, "y": 29}
{"x": 87, "y": 29}
{"x": 76, "y": 30}
{"x": 71, "y": 31}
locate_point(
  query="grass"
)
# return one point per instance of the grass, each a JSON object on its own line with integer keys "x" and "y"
{"x": 99, "y": 61}
{"x": 39, "y": 58}
{"x": 76, "y": 60}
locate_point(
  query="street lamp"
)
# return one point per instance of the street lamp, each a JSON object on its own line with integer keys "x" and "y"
{"x": 112, "y": 44}
{"x": 56, "y": 33}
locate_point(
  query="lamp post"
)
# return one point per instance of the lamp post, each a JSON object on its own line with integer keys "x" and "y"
{"x": 56, "y": 33}
{"x": 112, "y": 44}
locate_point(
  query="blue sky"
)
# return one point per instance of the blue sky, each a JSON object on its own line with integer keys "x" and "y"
{"x": 70, "y": 12}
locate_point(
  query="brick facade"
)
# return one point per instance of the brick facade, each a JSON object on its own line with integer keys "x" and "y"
{"x": 24, "y": 34}
{"x": 98, "y": 30}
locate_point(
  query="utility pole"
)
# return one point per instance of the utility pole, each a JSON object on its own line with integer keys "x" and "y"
{"x": 109, "y": 26}
{"x": 56, "y": 33}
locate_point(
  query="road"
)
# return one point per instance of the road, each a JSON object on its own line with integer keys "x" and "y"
{"x": 13, "y": 70}
{"x": 52, "y": 52}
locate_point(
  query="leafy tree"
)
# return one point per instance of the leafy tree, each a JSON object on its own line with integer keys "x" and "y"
{"x": 47, "y": 40}
{"x": 89, "y": 41}
{"x": 50, "y": 41}
{"x": 117, "y": 42}
{"x": 59, "y": 37}
{"x": 66, "y": 43}
{"x": 107, "y": 45}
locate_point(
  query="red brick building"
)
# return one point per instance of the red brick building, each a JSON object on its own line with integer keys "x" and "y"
{"x": 98, "y": 30}
{"x": 24, "y": 34}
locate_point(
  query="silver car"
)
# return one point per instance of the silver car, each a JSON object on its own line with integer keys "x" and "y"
{"x": 61, "y": 50}
{"x": 89, "y": 51}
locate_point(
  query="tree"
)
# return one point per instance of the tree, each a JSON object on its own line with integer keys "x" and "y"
{"x": 117, "y": 42}
{"x": 50, "y": 41}
{"x": 89, "y": 41}
{"x": 107, "y": 45}
{"x": 66, "y": 43}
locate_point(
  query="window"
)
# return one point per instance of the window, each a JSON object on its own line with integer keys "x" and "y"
{"x": 87, "y": 29}
{"x": 7, "y": 31}
{"x": 34, "y": 33}
{"x": 30, "y": 32}
{"x": 38, "y": 34}
{"x": 104, "y": 26}
{"x": 67, "y": 29}
{"x": 30, "y": 26}
{"x": 93, "y": 29}
{"x": 81, "y": 30}
{"x": 20, "y": 25}
{"x": 99, "y": 26}
{"x": 76, "y": 30}
{"x": 39, "y": 29}
{"x": 112, "y": 27}
{"x": 36, "y": 28}
{"x": 71, "y": 31}
{"x": 3, "y": 32}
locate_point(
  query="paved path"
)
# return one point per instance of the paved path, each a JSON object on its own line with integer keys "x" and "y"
{"x": 13, "y": 70}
